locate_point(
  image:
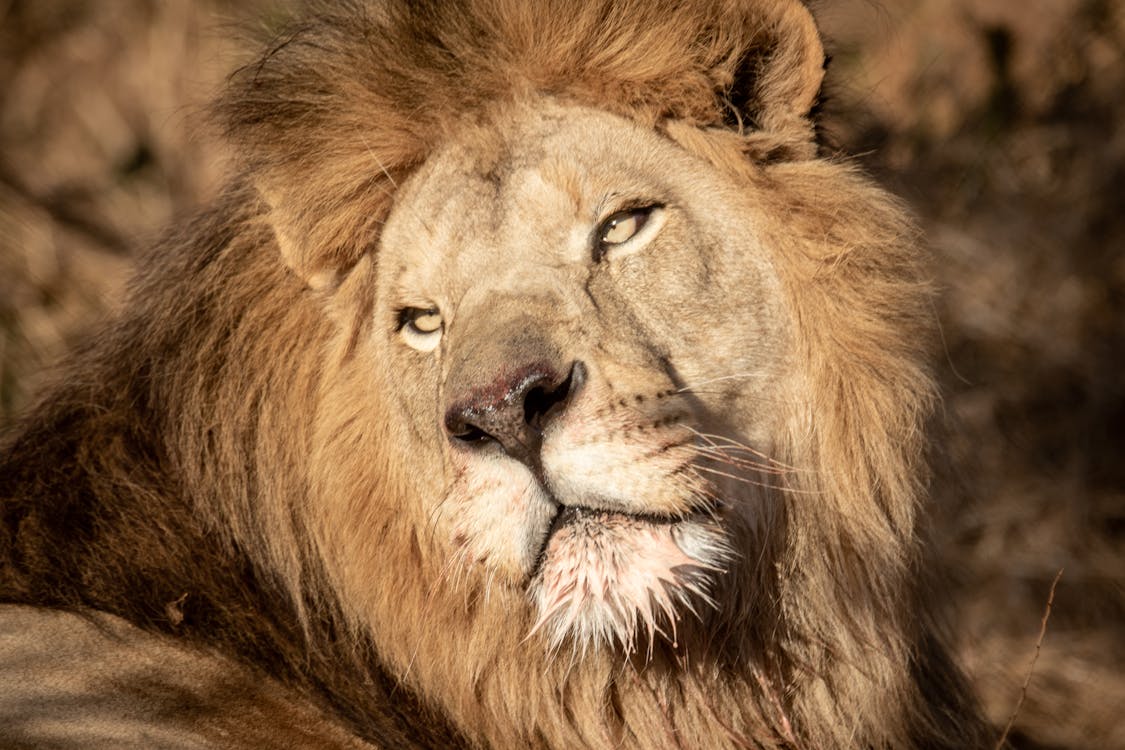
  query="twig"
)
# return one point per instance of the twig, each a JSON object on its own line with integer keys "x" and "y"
{"x": 1031, "y": 667}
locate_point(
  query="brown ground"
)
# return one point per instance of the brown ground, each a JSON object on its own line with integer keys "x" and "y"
{"x": 997, "y": 119}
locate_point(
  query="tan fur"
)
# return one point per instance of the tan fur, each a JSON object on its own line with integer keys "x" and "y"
{"x": 95, "y": 681}
{"x": 756, "y": 371}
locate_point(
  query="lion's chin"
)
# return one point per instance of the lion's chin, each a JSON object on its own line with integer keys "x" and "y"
{"x": 607, "y": 578}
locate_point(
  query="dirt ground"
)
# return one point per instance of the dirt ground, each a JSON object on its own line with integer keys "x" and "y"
{"x": 1000, "y": 121}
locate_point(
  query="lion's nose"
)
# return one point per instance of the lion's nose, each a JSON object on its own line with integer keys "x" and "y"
{"x": 514, "y": 410}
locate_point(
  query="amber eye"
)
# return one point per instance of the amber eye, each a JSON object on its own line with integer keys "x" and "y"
{"x": 625, "y": 229}
{"x": 420, "y": 327}
{"x": 622, "y": 226}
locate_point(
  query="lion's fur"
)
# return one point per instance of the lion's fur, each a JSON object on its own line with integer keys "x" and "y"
{"x": 220, "y": 440}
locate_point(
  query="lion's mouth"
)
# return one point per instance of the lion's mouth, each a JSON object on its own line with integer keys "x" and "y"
{"x": 607, "y": 575}
{"x": 581, "y": 519}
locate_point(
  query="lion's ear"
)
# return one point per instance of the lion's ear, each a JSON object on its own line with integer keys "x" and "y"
{"x": 320, "y": 234}
{"x": 326, "y": 208}
{"x": 301, "y": 241}
{"x": 323, "y": 149}
{"x": 772, "y": 83}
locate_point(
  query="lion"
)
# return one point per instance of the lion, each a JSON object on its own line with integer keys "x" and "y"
{"x": 538, "y": 380}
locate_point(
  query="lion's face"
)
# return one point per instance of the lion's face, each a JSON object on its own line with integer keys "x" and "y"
{"x": 579, "y": 324}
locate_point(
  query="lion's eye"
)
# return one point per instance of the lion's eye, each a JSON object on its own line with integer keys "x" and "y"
{"x": 627, "y": 230}
{"x": 622, "y": 226}
{"x": 420, "y": 327}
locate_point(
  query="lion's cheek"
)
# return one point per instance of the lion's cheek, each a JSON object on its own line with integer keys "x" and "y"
{"x": 496, "y": 516}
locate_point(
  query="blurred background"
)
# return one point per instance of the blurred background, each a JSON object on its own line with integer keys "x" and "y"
{"x": 999, "y": 121}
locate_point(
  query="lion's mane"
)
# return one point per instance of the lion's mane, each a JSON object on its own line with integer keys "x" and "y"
{"x": 179, "y": 459}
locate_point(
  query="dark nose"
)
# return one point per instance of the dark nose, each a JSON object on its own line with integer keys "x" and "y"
{"x": 515, "y": 409}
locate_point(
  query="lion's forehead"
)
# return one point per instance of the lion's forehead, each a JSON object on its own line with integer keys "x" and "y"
{"x": 528, "y": 187}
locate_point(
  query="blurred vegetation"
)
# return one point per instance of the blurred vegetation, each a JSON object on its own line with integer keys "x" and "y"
{"x": 1001, "y": 121}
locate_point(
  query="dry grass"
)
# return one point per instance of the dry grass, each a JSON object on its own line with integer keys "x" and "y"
{"x": 998, "y": 119}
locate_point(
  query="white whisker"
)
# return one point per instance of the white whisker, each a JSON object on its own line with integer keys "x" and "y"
{"x": 709, "y": 381}
{"x": 751, "y": 482}
{"x": 720, "y": 442}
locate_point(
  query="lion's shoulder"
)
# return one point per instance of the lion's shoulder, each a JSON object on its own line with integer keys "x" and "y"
{"x": 92, "y": 680}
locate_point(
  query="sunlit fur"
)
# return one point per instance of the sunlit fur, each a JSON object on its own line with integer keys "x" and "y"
{"x": 237, "y": 443}
{"x": 609, "y": 589}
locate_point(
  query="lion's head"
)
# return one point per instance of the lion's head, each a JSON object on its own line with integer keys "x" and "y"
{"x": 587, "y": 342}
{"x": 542, "y": 343}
